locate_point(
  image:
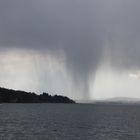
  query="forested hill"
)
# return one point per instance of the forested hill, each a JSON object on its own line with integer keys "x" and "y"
{"x": 15, "y": 96}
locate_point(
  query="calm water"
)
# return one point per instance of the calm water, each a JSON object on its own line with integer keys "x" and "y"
{"x": 69, "y": 122}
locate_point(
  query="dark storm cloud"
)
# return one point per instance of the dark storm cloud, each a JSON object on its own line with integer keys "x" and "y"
{"x": 79, "y": 28}
{"x": 121, "y": 21}
{"x": 41, "y": 25}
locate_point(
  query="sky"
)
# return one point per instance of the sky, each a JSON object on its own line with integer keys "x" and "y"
{"x": 83, "y": 49}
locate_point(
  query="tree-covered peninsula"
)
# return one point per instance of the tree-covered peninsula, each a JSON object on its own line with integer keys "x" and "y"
{"x": 16, "y": 96}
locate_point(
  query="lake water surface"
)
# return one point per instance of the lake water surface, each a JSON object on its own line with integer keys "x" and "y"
{"x": 69, "y": 122}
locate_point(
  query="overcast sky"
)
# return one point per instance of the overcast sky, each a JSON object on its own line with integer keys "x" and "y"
{"x": 80, "y": 48}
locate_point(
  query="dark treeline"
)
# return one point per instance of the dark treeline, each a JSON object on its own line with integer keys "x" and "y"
{"x": 15, "y": 96}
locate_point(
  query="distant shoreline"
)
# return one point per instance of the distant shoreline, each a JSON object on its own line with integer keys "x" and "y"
{"x": 17, "y": 96}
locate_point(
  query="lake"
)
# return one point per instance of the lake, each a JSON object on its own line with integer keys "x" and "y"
{"x": 69, "y": 122}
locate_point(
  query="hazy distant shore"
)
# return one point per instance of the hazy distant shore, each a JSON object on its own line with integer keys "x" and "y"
{"x": 116, "y": 100}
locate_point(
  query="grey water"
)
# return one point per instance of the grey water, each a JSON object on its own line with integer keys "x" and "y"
{"x": 69, "y": 122}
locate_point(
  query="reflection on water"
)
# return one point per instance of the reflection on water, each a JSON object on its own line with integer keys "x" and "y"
{"x": 69, "y": 122}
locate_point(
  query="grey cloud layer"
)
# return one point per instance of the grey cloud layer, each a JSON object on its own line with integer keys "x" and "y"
{"x": 80, "y": 28}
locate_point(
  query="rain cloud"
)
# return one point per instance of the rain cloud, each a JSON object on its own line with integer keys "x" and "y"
{"x": 80, "y": 34}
